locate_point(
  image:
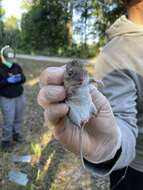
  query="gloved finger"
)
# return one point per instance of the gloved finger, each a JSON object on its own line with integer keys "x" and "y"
{"x": 12, "y": 77}
{"x": 51, "y": 94}
{"x": 54, "y": 112}
{"x": 99, "y": 99}
{"x": 52, "y": 75}
{"x": 19, "y": 75}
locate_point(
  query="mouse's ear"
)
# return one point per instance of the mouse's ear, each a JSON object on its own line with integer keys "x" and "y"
{"x": 74, "y": 62}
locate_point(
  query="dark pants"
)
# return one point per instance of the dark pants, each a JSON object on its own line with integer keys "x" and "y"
{"x": 13, "y": 113}
{"x": 132, "y": 181}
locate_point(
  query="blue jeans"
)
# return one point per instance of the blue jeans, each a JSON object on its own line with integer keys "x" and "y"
{"x": 13, "y": 112}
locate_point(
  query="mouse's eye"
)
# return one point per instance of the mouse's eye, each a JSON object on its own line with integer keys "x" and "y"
{"x": 70, "y": 73}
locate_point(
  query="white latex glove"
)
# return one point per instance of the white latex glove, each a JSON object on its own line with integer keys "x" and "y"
{"x": 101, "y": 136}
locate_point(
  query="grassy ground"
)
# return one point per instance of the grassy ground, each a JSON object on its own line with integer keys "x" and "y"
{"x": 51, "y": 168}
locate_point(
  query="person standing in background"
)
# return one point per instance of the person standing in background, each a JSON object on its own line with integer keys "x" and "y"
{"x": 12, "y": 100}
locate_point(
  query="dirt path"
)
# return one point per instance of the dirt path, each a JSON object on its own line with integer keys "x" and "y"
{"x": 57, "y": 60}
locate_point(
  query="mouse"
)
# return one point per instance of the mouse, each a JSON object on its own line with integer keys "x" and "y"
{"x": 78, "y": 97}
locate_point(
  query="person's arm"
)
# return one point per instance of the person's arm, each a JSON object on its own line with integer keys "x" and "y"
{"x": 120, "y": 89}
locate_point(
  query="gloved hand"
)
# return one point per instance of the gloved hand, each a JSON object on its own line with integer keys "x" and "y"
{"x": 14, "y": 78}
{"x": 101, "y": 136}
{"x": 18, "y": 77}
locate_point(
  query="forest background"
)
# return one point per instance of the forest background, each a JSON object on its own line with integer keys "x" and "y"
{"x": 71, "y": 28}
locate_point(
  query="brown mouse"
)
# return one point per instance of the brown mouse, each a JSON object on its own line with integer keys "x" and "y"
{"x": 77, "y": 86}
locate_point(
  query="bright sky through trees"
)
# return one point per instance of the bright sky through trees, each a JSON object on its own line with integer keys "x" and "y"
{"x": 12, "y": 7}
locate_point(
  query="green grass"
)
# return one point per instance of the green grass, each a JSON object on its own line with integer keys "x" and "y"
{"x": 51, "y": 168}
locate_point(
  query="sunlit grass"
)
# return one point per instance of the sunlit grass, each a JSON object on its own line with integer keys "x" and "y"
{"x": 32, "y": 82}
{"x": 36, "y": 148}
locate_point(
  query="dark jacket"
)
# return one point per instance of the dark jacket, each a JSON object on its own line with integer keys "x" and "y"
{"x": 10, "y": 90}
